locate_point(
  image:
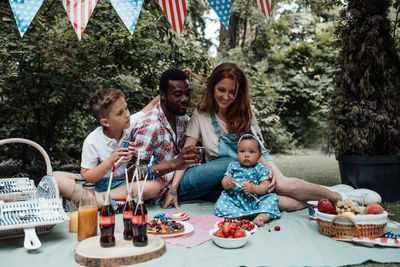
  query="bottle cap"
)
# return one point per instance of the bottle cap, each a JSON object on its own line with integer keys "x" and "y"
{"x": 80, "y": 180}
{"x": 89, "y": 184}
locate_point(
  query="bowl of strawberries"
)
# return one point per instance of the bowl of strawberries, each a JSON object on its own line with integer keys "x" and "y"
{"x": 229, "y": 234}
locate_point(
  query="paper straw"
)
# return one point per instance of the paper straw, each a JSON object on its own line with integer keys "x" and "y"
{"x": 127, "y": 180}
{"x": 249, "y": 194}
{"x": 135, "y": 172}
{"x": 147, "y": 173}
{"x": 109, "y": 186}
{"x": 118, "y": 161}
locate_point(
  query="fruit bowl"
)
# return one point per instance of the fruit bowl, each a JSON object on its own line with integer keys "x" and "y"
{"x": 229, "y": 242}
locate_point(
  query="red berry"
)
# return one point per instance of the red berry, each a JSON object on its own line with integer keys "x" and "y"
{"x": 277, "y": 228}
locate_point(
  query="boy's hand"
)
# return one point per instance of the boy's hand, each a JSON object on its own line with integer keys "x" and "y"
{"x": 122, "y": 152}
{"x": 247, "y": 187}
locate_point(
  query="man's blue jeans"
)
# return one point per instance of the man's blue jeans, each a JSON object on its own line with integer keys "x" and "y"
{"x": 199, "y": 180}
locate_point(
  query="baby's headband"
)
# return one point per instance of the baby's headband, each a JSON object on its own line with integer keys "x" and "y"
{"x": 252, "y": 136}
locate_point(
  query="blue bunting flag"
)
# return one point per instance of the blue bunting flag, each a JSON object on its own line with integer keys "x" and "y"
{"x": 128, "y": 11}
{"x": 24, "y": 11}
{"x": 223, "y": 10}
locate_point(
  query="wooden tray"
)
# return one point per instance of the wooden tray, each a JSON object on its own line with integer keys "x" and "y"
{"x": 89, "y": 253}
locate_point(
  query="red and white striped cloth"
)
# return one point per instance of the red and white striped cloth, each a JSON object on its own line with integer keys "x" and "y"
{"x": 265, "y": 6}
{"x": 175, "y": 10}
{"x": 79, "y": 12}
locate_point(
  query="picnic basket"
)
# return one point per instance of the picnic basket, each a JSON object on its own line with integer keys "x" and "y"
{"x": 15, "y": 189}
{"x": 38, "y": 214}
{"x": 344, "y": 226}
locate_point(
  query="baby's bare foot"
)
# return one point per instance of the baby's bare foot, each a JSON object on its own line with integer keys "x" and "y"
{"x": 261, "y": 219}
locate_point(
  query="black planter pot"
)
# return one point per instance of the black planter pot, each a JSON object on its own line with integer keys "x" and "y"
{"x": 379, "y": 173}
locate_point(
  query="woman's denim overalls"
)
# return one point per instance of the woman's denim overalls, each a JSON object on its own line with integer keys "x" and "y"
{"x": 199, "y": 180}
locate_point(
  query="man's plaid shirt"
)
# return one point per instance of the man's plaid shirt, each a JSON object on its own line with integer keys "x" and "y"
{"x": 154, "y": 135}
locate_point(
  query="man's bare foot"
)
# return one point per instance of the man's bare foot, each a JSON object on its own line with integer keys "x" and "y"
{"x": 261, "y": 219}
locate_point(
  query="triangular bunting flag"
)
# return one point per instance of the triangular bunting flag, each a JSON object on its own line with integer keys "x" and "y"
{"x": 24, "y": 11}
{"x": 175, "y": 10}
{"x": 307, "y": 3}
{"x": 223, "y": 10}
{"x": 79, "y": 12}
{"x": 265, "y": 6}
{"x": 128, "y": 11}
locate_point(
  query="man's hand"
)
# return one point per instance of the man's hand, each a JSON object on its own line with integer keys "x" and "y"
{"x": 188, "y": 155}
{"x": 247, "y": 187}
{"x": 169, "y": 201}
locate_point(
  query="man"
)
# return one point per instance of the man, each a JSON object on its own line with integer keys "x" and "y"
{"x": 161, "y": 132}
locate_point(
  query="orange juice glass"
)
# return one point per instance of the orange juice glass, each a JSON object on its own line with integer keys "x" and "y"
{"x": 87, "y": 222}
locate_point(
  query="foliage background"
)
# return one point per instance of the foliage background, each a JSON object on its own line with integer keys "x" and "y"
{"x": 47, "y": 77}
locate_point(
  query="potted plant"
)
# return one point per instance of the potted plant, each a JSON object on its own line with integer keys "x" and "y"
{"x": 364, "y": 116}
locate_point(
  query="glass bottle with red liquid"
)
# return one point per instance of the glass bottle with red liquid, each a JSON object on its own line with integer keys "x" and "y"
{"x": 139, "y": 224}
{"x": 107, "y": 224}
{"x": 127, "y": 214}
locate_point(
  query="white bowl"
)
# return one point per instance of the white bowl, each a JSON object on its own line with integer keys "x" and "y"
{"x": 229, "y": 242}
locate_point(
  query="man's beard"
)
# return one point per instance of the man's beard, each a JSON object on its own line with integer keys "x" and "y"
{"x": 174, "y": 108}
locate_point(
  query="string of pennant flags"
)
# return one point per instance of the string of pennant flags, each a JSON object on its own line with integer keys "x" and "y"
{"x": 79, "y": 12}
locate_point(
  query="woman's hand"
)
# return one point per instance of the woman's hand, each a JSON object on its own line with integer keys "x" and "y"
{"x": 170, "y": 200}
{"x": 247, "y": 187}
{"x": 272, "y": 184}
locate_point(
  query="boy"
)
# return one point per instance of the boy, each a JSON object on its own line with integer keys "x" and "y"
{"x": 102, "y": 147}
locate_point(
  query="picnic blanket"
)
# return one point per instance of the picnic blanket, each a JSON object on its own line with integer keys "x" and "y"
{"x": 298, "y": 243}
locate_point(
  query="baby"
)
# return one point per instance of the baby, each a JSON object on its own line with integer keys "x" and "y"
{"x": 246, "y": 185}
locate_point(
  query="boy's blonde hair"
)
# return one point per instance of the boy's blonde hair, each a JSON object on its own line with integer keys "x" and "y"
{"x": 100, "y": 102}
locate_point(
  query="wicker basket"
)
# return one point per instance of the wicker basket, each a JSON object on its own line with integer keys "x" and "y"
{"x": 347, "y": 227}
{"x": 46, "y": 192}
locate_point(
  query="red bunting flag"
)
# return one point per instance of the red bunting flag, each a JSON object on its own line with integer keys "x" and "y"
{"x": 175, "y": 10}
{"x": 265, "y": 6}
{"x": 79, "y": 12}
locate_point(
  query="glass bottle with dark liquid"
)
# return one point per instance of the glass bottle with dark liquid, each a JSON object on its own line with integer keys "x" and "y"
{"x": 127, "y": 215}
{"x": 107, "y": 224}
{"x": 139, "y": 224}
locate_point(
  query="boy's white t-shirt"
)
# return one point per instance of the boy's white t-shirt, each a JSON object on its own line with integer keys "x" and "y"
{"x": 97, "y": 147}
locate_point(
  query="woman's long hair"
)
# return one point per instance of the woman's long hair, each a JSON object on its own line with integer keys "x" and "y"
{"x": 239, "y": 112}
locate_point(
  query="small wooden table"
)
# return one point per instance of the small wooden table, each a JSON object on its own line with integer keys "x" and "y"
{"x": 89, "y": 252}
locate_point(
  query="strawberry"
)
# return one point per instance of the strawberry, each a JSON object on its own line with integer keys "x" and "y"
{"x": 239, "y": 233}
{"x": 226, "y": 229}
{"x": 233, "y": 225}
{"x": 219, "y": 233}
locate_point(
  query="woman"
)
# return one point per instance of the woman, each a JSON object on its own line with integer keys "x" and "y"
{"x": 223, "y": 115}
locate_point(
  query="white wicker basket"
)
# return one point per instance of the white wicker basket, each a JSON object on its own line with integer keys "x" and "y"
{"x": 41, "y": 213}
{"x": 347, "y": 227}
